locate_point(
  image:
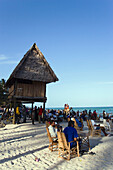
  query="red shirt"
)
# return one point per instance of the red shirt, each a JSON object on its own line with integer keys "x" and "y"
{"x": 40, "y": 111}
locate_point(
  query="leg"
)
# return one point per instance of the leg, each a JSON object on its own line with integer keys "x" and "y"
{"x": 68, "y": 158}
{"x": 32, "y": 118}
{"x": 88, "y": 143}
{"x": 78, "y": 149}
{"x": 103, "y": 130}
{"x": 39, "y": 118}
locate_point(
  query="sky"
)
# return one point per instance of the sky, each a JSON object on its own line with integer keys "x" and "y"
{"x": 76, "y": 38}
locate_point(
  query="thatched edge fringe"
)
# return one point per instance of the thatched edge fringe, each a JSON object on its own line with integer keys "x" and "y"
{"x": 13, "y": 75}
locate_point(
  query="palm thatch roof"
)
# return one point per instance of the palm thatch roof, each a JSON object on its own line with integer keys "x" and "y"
{"x": 34, "y": 67}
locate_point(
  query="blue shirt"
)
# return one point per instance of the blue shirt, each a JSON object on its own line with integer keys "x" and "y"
{"x": 79, "y": 123}
{"x": 70, "y": 133}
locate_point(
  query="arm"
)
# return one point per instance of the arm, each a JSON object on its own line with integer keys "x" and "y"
{"x": 75, "y": 135}
{"x": 96, "y": 124}
{"x": 75, "y": 139}
{"x": 93, "y": 123}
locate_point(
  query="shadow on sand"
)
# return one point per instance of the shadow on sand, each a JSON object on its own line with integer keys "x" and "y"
{"x": 22, "y": 154}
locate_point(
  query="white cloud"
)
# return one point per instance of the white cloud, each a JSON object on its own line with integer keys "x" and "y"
{"x": 5, "y": 60}
{"x": 109, "y": 82}
{"x": 9, "y": 62}
{"x": 2, "y": 57}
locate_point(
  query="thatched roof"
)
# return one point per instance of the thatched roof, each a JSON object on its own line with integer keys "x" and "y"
{"x": 33, "y": 67}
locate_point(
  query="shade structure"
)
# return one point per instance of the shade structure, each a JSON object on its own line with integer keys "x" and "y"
{"x": 33, "y": 67}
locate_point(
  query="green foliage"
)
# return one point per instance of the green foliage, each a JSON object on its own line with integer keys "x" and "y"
{"x": 3, "y": 92}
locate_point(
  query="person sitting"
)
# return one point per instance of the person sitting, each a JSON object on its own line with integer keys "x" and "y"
{"x": 106, "y": 123}
{"x": 107, "y": 117}
{"x": 71, "y": 133}
{"x": 97, "y": 127}
{"x": 78, "y": 122}
{"x": 53, "y": 130}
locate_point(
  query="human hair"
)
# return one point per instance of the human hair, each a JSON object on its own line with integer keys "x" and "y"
{"x": 51, "y": 121}
{"x": 70, "y": 123}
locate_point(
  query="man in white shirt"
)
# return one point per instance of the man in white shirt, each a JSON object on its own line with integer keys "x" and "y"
{"x": 53, "y": 130}
{"x": 96, "y": 127}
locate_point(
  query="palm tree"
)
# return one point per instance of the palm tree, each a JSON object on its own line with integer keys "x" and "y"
{"x": 3, "y": 92}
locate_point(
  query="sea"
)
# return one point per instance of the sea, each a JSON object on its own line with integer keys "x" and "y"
{"x": 99, "y": 110}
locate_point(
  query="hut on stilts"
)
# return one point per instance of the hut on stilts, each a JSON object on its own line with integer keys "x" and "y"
{"x": 27, "y": 83}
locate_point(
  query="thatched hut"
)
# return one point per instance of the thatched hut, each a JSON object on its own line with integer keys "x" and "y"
{"x": 27, "y": 83}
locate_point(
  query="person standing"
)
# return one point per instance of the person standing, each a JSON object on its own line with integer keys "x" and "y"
{"x": 17, "y": 115}
{"x": 40, "y": 114}
{"x": 95, "y": 115}
{"x": 24, "y": 114}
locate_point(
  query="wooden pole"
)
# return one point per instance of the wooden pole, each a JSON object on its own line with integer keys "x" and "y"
{"x": 14, "y": 115}
{"x": 43, "y": 112}
{"x": 44, "y": 104}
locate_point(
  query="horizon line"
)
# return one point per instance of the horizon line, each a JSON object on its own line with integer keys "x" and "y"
{"x": 76, "y": 106}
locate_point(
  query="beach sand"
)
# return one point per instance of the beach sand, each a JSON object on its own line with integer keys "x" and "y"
{"x": 20, "y": 144}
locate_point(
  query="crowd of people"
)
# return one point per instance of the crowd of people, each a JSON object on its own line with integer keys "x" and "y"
{"x": 70, "y": 131}
{"x": 21, "y": 112}
{"x": 54, "y": 117}
{"x": 38, "y": 114}
{"x": 62, "y": 115}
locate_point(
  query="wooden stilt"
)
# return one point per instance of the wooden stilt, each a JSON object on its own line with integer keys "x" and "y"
{"x": 14, "y": 115}
{"x": 43, "y": 112}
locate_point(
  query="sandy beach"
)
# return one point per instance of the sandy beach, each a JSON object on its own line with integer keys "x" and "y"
{"x": 20, "y": 144}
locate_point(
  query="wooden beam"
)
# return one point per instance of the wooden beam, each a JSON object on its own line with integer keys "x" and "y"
{"x": 14, "y": 115}
{"x": 34, "y": 99}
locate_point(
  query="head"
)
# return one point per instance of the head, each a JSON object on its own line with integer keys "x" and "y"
{"x": 52, "y": 123}
{"x": 71, "y": 123}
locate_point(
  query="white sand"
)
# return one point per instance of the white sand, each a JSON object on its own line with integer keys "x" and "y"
{"x": 20, "y": 144}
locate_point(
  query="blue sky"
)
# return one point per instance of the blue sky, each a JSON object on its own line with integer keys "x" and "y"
{"x": 76, "y": 38}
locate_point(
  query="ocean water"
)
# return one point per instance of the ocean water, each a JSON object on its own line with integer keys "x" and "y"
{"x": 99, "y": 110}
